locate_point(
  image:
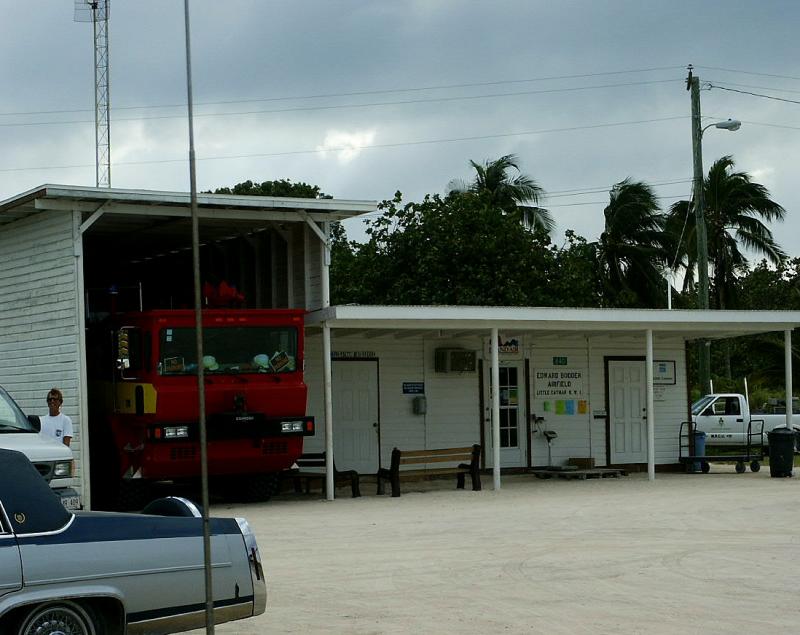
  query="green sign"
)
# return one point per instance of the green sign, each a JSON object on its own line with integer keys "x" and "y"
{"x": 559, "y": 361}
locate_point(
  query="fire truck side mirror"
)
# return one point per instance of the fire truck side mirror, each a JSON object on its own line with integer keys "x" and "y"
{"x": 128, "y": 354}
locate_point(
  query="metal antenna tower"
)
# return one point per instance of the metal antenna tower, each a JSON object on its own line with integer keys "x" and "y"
{"x": 96, "y": 12}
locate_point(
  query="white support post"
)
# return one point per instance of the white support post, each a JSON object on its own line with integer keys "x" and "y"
{"x": 83, "y": 395}
{"x": 651, "y": 415}
{"x": 495, "y": 346}
{"x": 326, "y": 266}
{"x": 306, "y": 269}
{"x": 326, "y": 370}
{"x": 787, "y": 361}
{"x": 290, "y": 269}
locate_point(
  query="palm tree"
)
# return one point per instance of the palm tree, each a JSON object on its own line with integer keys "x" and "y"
{"x": 735, "y": 209}
{"x": 520, "y": 194}
{"x": 632, "y": 250}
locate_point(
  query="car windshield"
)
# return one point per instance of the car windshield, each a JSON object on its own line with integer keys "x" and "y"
{"x": 699, "y": 405}
{"x": 229, "y": 350}
{"x": 11, "y": 417}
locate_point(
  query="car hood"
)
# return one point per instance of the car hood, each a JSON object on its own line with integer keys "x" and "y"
{"x": 36, "y": 446}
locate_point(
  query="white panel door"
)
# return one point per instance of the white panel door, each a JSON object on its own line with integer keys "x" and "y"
{"x": 627, "y": 386}
{"x": 355, "y": 415}
{"x": 10, "y": 567}
{"x": 513, "y": 450}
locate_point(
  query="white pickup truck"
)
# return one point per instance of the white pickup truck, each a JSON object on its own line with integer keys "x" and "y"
{"x": 725, "y": 418}
{"x": 51, "y": 458}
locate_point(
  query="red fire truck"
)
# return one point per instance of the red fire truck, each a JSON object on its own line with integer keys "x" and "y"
{"x": 144, "y": 424}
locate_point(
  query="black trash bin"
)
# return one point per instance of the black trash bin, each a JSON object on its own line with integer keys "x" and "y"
{"x": 781, "y": 452}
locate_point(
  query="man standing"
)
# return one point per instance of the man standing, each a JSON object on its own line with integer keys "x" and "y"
{"x": 56, "y": 423}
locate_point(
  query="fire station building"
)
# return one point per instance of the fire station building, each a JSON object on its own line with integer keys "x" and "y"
{"x": 610, "y": 382}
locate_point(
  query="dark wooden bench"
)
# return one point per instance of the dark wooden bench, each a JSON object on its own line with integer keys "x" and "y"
{"x": 317, "y": 459}
{"x": 468, "y": 460}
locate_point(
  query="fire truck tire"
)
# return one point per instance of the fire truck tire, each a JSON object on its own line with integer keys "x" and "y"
{"x": 132, "y": 495}
{"x": 260, "y": 487}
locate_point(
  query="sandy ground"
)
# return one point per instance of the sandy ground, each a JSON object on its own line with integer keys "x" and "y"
{"x": 712, "y": 553}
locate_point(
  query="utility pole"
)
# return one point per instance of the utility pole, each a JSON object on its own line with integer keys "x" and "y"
{"x": 703, "y": 350}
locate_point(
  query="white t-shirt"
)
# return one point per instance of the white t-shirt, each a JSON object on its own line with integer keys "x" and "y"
{"x": 57, "y": 427}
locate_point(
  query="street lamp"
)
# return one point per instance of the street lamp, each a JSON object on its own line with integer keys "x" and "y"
{"x": 693, "y": 84}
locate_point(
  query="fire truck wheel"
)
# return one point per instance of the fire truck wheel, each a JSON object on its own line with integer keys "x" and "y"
{"x": 260, "y": 487}
{"x": 132, "y": 495}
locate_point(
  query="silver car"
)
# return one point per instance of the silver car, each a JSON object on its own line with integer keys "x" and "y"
{"x": 98, "y": 573}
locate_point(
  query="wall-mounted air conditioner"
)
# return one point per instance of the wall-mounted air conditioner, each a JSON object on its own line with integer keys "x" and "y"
{"x": 455, "y": 360}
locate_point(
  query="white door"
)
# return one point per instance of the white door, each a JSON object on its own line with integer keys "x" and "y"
{"x": 725, "y": 422}
{"x": 512, "y": 415}
{"x": 627, "y": 385}
{"x": 10, "y": 567}
{"x": 355, "y": 415}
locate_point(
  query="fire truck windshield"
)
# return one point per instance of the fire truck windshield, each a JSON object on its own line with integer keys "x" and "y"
{"x": 229, "y": 350}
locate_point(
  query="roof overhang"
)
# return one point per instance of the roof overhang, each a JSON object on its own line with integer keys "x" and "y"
{"x": 400, "y": 321}
{"x": 178, "y": 204}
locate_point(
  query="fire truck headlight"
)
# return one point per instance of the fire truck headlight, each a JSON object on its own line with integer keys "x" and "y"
{"x": 176, "y": 432}
{"x": 291, "y": 426}
{"x": 63, "y": 469}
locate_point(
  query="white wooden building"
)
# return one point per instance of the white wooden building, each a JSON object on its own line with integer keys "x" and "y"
{"x": 373, "y": 376}
{"x": 584, "y": 371}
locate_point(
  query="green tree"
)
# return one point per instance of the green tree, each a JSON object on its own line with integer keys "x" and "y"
{"x": 518, "y": 195}
{"x": 633, "y": 248}
{"x": 452, "y": 250}
{"x": 281, "y": 187}
{"x": 575, "y": 281}
{"x": 735, "y": 209}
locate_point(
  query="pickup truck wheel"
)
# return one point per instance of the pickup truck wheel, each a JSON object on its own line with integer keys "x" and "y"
{"x": 58, "y": 618}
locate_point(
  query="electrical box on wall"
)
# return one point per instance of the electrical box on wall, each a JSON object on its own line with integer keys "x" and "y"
{"x": 419, "y": 405}
{"x": 455, "y": 360}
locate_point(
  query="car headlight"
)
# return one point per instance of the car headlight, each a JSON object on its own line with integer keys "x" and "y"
{"x": 291, "y": 426}
{"x": 63, "y": 469}
{"x": 176, "y": 432}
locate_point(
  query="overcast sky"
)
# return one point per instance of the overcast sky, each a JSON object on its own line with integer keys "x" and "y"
{"x": 364, "y": 98}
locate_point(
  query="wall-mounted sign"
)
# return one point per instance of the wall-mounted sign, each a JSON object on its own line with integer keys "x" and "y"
{"x": 568, "y": 407}
{"x": 664, "y": 372}
{"x": 353, "y": 355}
{"x": 558, "y": 382}
{"x": 559, "y": 361}
{"x": 508, "y": 345}
{"x": 413, "y": 387}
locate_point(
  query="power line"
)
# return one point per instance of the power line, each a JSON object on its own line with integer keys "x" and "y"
{"x": 746, "y": 92}
{"x": 682, "y": 197}
{"x": 368, "y": 147}
{"x": 601, "y": 189}
{"x": 780, "y": 90}
{"x": 395, "y": 145}
{"x": 604, "y": 203}
{"x": 362, "y": 92}
{"x": 403, "y": 102}
{"x": 731, "y": 70}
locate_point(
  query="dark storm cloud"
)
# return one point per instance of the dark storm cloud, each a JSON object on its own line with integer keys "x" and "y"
{"x": 262, "y": 50}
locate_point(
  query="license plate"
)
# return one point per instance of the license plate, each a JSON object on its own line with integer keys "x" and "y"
{"x": 71, "y": 503}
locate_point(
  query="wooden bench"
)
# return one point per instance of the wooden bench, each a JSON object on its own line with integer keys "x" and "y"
{"x": 317, "y": 459}
{"x": 468, "y": 460}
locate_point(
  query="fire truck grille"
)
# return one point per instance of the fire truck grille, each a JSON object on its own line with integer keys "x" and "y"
{"x": 275, "y": 447}
{"x": 185, "y": 453}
